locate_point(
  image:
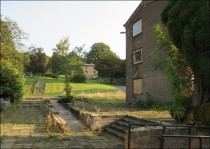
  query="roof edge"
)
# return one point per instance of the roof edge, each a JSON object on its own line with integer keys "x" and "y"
{"x": 143, "y": 2}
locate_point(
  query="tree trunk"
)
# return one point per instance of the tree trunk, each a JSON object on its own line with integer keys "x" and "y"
{"x": 111, "y": 80}
{"x": 201, "y": 93}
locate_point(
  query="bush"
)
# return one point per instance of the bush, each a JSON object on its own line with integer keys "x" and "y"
{"x": 79, "y": 78}
{"x": 66, "y": 99}
{"x": 180, "y": 108}
{"x": 202, "y": 114}
{"x": 11, "y": 84}
{"x": 67, "y": 89}
{"x": 156, "y": 105}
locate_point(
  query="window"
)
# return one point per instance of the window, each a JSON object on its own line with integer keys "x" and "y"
{"x": 137, "y": 56}
{"x": 137, "y": 27}
{"x": 137, "y": 86}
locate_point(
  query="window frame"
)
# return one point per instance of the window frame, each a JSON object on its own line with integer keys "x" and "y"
{"x": 134, "y": 57}
{"x": 136, "y": 32}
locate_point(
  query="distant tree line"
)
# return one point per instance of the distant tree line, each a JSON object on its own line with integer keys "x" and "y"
{"x": 15, "y": 63}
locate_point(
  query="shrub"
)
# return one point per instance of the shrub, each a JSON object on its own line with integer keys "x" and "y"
{"x": 66, "y": 99}
{"x": 156, "y": 105}
{"x": 79, "y": 78}
{"x": 202, "y": 114}
{"x": 67, "y": 89}
{"x": 11, "y": 84}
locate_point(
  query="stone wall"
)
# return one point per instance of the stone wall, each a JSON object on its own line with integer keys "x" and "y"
{"x": 93, "y": 121}
{"x": 149, "y": 137}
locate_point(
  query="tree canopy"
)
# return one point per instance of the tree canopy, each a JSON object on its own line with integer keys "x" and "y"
{"x": 111, "y": 66}
{"x": 188, "y": 26}
{"x": 38, "y": 60}
{"x": 11, "y": 72}
{"x": 97, "y": 50}
{"x": 63, "y": 46}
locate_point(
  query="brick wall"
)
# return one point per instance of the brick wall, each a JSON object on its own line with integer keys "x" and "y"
{"x": 154, "y": 82}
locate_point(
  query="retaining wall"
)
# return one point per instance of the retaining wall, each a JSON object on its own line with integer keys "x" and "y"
{"x": 93, "y": 121}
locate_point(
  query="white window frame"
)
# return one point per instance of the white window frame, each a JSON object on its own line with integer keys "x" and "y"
{"x": 137, "y": 27}
{"x": 135, "y": 61}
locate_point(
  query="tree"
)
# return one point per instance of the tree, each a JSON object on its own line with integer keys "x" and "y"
{"x": 188, "y": 26}
{"x": 57, "y": 63}
{"x": 80, "y": 51}
{"x": 26, "y": 61}
{"x": 63, "y": 46}
{"x": 38, "y": 60}
{"x": 98, "y": 50}
{"x": 11, "y": 34}
{"x": 111, "y": 66}
{"x": 11, "y": 72}
{"x": 73, "y": 64}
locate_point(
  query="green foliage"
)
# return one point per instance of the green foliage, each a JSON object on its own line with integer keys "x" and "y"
{"x": 38, "y": 61}
{"x": 202, "y": 114}
{"x": 66, "y": 99}
{"x": 97, "y": 50}
{"x": 111, "y": 66}
{"x": 67, "y": 89}
{"x": 189, "y": 29}
{"x": 73, "y": 64}
{"x": 79, "y": 78}
{"x": 63, "y": 46}
{"x": 177, "y": 71}
{"x": 11, "y": 84}
{"x": 57, "y": 63}
{"x": 11, "y": 71}
{"x": 155, "y": 105}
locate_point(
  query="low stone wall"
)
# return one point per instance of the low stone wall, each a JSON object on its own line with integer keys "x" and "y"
{"x": 149, "y": 137}
{"x": 93, "y": 121}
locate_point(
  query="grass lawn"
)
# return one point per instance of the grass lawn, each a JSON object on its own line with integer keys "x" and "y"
{"x": 55, "y": 87}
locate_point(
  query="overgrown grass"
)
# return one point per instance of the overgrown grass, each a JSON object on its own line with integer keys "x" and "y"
{"x": 111, "y": 97}
{"x": 55, "y": 87}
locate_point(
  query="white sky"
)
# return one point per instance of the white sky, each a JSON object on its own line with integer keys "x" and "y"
{"x": 85, "y": 22}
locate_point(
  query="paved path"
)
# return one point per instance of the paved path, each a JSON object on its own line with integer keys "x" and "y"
{"x": 73, "y": 123}
{"x": 25, "y": 127}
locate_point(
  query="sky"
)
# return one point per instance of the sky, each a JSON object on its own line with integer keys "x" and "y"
{"x": 84, "y": 22}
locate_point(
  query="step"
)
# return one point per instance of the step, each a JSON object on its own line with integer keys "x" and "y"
{"x": 121, "y": 128}
{"x": 115, "y": 132}
{"x": 122, "y": 123}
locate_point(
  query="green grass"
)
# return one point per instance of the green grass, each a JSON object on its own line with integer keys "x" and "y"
{"x": 55, "y": 87}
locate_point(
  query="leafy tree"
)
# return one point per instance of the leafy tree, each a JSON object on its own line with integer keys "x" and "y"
{"x": 11, "y": 72}
{"x": 111, "y": 66}
{"x": 63, "y": 46}
{"x": 98, "y": 50}
{"x": 26, "y": 61}
{"x": 80, "y": 51}
{"x": 188, "y": 26}
{"x": 57, "y": 63}
{"x": 11, "y": 34}
{"x": 73, "y": 64}
{"x": 38, "y": 60}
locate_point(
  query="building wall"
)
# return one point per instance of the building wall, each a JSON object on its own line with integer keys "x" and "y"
{"x": 154, "y": 83}
{"x": 90, "y": 71}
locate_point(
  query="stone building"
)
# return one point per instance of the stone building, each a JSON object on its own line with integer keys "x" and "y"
{"x": 89, "y": 71}
{"x": 142, "y": 81}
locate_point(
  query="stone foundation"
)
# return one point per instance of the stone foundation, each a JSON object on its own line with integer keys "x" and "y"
{"x": 93, "y": 121}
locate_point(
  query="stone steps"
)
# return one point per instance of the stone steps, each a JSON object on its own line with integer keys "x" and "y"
{"x": 121, "y": 126}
